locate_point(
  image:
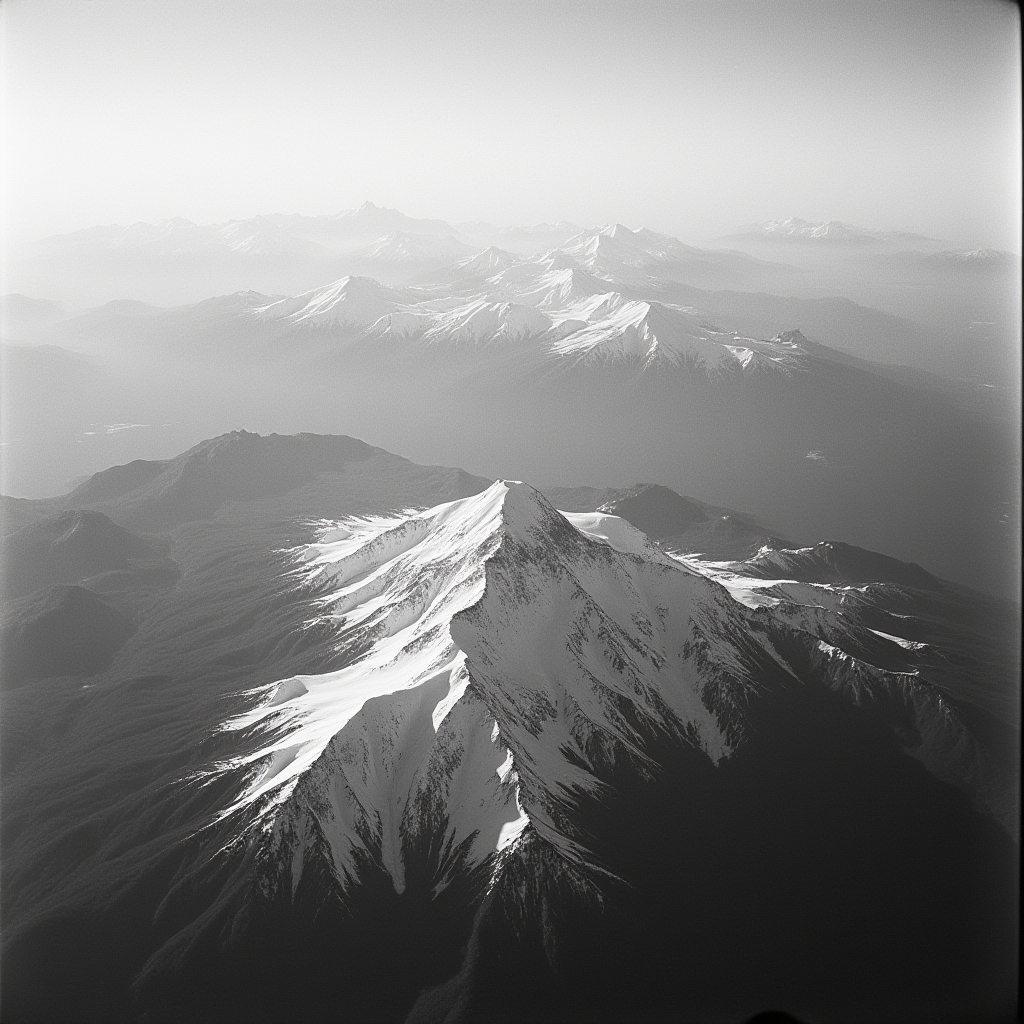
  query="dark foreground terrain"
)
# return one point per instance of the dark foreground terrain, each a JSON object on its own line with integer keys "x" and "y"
{"x": 855, "y": 857}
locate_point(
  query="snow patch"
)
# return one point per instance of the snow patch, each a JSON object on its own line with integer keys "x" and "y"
{"x": 909, "y": 645}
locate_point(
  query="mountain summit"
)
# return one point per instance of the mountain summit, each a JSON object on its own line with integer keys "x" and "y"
{"x": 512, "y": 655}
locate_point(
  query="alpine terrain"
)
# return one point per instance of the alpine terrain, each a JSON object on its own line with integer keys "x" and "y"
{"x": 377, "y": 741}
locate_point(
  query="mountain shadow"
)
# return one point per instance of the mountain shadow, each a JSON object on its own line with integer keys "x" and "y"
{"x": 819, "y": 871}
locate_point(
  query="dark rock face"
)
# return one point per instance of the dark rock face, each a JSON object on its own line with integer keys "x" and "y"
{"x": 114, "y": 482}
{"x": 657, "y": 511}
{"x": 803, "y": 873}
{"x": 840, "y": 564}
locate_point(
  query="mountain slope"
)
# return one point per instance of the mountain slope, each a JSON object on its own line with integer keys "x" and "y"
{"x": 512, "y": 667}
{"x": 675, "y": 522}
{"x": 60, "y": 631}
{"x": 636, "y": 375}
{"x": 69, "y": 548}
{"x": 620, "y": 254}
{"x": 492, "y": 743}
{"x": 22, "y": 316}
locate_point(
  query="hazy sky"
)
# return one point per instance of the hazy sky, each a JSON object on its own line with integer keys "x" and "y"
{"x": 688, "y": 117}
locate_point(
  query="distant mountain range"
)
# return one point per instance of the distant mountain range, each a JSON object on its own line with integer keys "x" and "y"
{"x": 861, "y": 248}
{"x": 605, "y": 344}
{"x": 176, "y": 260}
{"x": 829, "y": 233}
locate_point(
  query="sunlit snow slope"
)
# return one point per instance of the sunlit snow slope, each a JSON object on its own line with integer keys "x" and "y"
{"x": 508, "y": 658}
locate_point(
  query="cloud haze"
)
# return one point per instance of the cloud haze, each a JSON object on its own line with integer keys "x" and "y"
{"x": 686, "y": 117}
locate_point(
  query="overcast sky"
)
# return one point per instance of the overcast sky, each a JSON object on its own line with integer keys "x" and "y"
{"x": 687, "y": 117}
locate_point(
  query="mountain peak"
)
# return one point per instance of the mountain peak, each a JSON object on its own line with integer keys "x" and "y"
{"x": 619, "y": 231}
{"x": 794, "y": 337}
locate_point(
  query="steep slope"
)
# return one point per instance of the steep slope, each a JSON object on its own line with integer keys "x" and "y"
{"x": 611, "y": 327}
{"x": 837, "y": 564}
{"x": 476, "y": 267}
{"x": 428, "y": 600}
{"x": 676, "y": 523}
{"x": 113, "y": 483}
{"x": 236, "y": 467}
{"x": 513, "y": 668}
{"x": 97, "y": 825}
{"x": 533, "y": 737}
{"x": 640, "y": 380}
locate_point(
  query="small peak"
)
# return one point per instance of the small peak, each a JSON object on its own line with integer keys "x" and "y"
{"x": 794, "y": 337}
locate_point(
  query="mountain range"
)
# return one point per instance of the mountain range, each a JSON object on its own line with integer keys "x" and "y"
{"x": 928, "y": 305}
{"x": 489, "y": 759}
{"x": 176, "y": 259}
{"x": 599, "y": 359}
{"x": 693, "y": 692}
{"x": 795, "y": 230}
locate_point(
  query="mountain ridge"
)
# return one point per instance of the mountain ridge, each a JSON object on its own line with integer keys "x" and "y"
{"x": 374, "y": 717}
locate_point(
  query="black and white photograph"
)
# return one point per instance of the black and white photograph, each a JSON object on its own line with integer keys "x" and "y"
{"x": 510, "y": 511}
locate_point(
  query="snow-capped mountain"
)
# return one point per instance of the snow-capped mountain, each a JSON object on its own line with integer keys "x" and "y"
{"x": 424, "y": 726}
{"x": 529, "y": 653}
{"x": 477, "y": 267}
{"x": 833, "y": 232}
{"x": 352, "y": 301}
{"x": 560, "y": 309}
{"x": 516, "y": 664}
{"x": 551, "y": 282}
{"x": 610, "y": 327}
{"x": 292, "y": 253}
{"x": 594, "y": 343}
{"x": 568, "y": 298}
{"x": 637, "y": 257}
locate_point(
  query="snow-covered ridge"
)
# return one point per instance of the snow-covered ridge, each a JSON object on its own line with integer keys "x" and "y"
{"x": 396, "y": 581}
{"x": 584, "y": 299}
{"x": 348, "y": 301}
{"x": 569, "y": 312}
{"x": 505, "y": 656}
{"x": 412, "y": 593}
